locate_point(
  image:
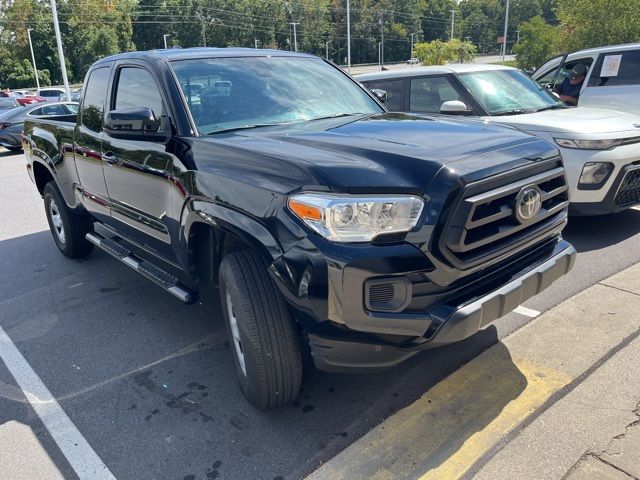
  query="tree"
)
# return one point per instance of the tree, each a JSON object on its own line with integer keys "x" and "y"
{"x": 439, "y": 53}
{"x": 436, "y": 16}
{"x": 538, "y": 42}
{"x": 591, "y": 23}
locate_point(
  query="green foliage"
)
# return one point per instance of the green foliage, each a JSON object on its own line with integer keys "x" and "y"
{"x": 439, "y": 53}
{"x": 590, "y": 23}
{"x": 19, "y": 73}
{"x": 538, "y": 42}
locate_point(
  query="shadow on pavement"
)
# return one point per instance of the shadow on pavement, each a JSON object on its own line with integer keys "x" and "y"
{"x": 594, "y": 233}
{"x": 8, "y": 153}
{"x": 149, "y": 382}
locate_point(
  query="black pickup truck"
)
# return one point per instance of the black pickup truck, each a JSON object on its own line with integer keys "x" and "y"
{"x": 330, "y": 226}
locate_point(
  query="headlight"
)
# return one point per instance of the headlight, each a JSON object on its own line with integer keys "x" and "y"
{"x": 594, "y": 173}
{"x": 356, "y": 218}
{"x": 588, "y": 144}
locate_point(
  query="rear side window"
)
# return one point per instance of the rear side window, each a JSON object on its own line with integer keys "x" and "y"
{"x": 51, "y": 93}
{"x": 137, "y": 88}
{"x": 94, "y": 96}
{"x": 395, "y": 92}
{"x": 429, "y": 93}
{"x": 616, "y": 68}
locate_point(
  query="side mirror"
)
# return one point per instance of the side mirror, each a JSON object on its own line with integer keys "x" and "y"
{"x": 529, "y": 71}
{"x": 135, "y": 123}
{"x": 454, "y": 107}
{"x": 381, "y": 95}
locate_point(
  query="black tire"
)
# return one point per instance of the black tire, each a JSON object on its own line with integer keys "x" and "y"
{"x": 267, "y": 332}
{"x": 68, "y": 227}
{"x": 14, "y": 149}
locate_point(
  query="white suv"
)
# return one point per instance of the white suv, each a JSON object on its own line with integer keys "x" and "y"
{"x": 613, "y": 76}
{"x": 51, "y": 94}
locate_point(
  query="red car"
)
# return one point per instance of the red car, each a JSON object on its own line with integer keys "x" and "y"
{"x": 21, "y": 98}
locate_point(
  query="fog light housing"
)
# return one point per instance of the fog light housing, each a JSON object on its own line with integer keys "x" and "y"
{"x": 594, "y": 175}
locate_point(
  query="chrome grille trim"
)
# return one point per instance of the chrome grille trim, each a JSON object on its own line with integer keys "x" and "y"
{"x": 484, "y": 225}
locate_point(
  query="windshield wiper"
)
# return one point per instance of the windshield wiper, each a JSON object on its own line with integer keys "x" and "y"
{"x": 552, "y": 107}
{"x": 244, "y": 127}
{"x": 512, "y": 112}
{"x": 336, "y": 115}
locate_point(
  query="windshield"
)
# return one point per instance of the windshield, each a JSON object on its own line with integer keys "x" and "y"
{"x": 228, "y": 93}
{"x": 502, "y": 92}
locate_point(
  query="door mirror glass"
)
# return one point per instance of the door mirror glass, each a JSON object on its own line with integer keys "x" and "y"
{"x": 454, "y": 107}
{"x": 380, "y": 94}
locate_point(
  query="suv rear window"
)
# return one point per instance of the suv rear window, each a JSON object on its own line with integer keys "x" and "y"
{"x": 621, "y": 68}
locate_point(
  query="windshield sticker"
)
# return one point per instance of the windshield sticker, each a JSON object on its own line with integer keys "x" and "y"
{"x": 610, "y": 66}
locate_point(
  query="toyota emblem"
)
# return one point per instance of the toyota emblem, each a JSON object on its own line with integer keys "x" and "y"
{"x": 528, "y": 203}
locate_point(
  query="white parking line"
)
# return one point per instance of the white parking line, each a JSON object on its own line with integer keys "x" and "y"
{"x": 527, "y": 312}
{"x": 82, "y": 458}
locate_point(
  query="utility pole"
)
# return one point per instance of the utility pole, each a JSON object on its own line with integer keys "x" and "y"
{"x": 382, "y": 40}
{"x": 348, "y": 37}
{"x": 379, "y": 63}
{"x": 63, "y": 66}
{"x": 255, "y": 43}
{"x": 453, "y": 21}
{"x": 295, "y": 37}
{"x": 504, "y": 39}
{"x": 326, "y": 50}
{"x": 164, "y": 37}
{"x": 517, "y": 36}
{"x": 411, "y": 54}
{"x": 203, "y": 26}
{"x": 33, "y": 57}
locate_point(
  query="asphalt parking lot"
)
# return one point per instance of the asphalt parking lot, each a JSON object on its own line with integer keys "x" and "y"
{"x": 149, "y": 383}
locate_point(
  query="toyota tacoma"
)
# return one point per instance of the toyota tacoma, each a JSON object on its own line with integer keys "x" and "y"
{"x": 329, "y": 226}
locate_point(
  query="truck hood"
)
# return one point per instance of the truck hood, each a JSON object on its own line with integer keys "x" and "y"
{"x": 579, "y": 120}
{"x": 391, "y": 150}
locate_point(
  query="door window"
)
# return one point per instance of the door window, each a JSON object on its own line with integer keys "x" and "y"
{"x": 395, "y": 93}
{"x": 616, "y": 68}
{"x": 94, "y": 96}
{"x": 137, "y": 88}
{"x": 429, "y": 93}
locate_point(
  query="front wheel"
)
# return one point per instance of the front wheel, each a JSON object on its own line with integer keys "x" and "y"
{"x": 67, "y": 227}
{"x": 262, "y": 333}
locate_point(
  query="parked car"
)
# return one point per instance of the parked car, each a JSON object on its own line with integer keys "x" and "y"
{"x": 75, "y": 96}
{"x": 23, "y": 98}
{"x": 51, "y": 94}
{"x": 12, "y": 122}
{"x": 322, "y": 219}
{"x": 413, "y": 61}
{"x": 613, "y": 76}
{"x": 8, "y": 103}
{"x": 599, "y": 147}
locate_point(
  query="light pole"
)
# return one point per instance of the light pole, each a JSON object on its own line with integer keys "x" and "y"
{"x": 504, "y": 38}
{"x": 382, "y": 41}
{"x": 453, "y": 21}
{"x": 295, "y": 37}
{"x": 164, "y": 37}
{"x": 379, "y": 56}
{"x": 411, "y": 54}
{"x": 63, "y": 67}
{"x": 348, "y": 36}
{"x": 517, "y": 36}
{"x": 33, "y": 57}
{"x": 326, "y": 50}
{"x": 255, "y": 42}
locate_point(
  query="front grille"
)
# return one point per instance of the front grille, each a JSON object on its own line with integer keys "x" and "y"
{"x": 487, "y": 222}
{"x": 629, "y": 191}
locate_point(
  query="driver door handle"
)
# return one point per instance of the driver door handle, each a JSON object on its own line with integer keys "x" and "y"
{"x": 110, "y": 158}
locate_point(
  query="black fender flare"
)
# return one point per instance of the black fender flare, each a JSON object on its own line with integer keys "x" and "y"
{"x": 226, "y": 221}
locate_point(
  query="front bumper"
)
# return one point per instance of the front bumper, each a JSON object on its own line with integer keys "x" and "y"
{"x": 448, "y": 323}
{"x": 623, "y": 193}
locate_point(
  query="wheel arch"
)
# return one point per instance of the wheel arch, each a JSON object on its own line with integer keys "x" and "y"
{"x": 42, "y": 175}
{"x": 210, "y": 231}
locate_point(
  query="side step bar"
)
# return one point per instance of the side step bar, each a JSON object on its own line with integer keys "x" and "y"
{"x": 158, "y": 276}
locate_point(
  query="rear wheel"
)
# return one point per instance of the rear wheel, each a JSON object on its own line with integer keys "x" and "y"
{"x": 261, "y": 331}
{"x": 67, "y": 227}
